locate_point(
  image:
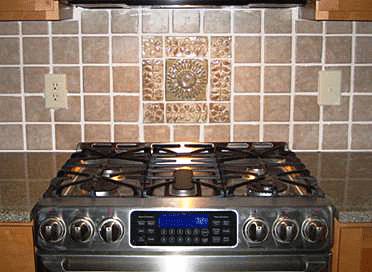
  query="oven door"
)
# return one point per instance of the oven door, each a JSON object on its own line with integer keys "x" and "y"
{"x": 182, "y": 263}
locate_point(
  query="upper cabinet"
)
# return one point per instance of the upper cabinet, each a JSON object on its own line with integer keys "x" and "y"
{"x": 33, "y": 10}
{"x": 349, "y": 10}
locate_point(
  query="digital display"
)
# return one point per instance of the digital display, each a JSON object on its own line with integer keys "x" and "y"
{"x": 183, "y": 220}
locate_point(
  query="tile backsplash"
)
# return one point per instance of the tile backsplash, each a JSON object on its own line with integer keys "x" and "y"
{"x": 185, "y": 75}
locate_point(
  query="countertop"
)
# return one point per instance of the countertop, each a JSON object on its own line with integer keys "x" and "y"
{"x": 346, "y": 178}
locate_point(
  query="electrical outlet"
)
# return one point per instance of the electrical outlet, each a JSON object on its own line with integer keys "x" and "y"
{"x": 329, "y": 87}
{"x": 55, "y": 91}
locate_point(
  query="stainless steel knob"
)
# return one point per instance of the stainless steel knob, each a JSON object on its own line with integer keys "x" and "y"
{"x": 255, "y": 230}
{"x": 111, "y": 230}
{"x": 285, "y": 230}
{"x": 81, "y": 230}
{"x": 52, "y": 230}
{"x": 314, "y": 230}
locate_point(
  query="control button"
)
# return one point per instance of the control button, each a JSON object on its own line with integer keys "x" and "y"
{"x": 216, "y": 223}
{"x": 141, "y": 231}
{"x": 314, "y": 230}
{"x": 179, "y": 239}
{"x": 163, "y": 239}
{"x": 226, "y": 239}
{"x": 163, "y": 231}
{"x": 285, "y": 230}
{"x": 141, "y": 239}
{"x": 226, "y": 231}
{"x": 52, "y": 230}
{"x": 216, "y": 239}
{"x": 179, "y": 231}
{"x": 196, "y": 240}
{"x": 150, "y": 231}
{"x": 204, "y": 232}
{"x": 216, "y": 231}
{"x": 172, "y": 231}
{"x": 151, "y": 239}
{"x": 204, "y": 240}
{"x": 81, "y": 230}
{"x": 226, "y": 223}
{"x": 188, "y": 231}
{"x": 111, "y": 230}
{"x": 141, "y": 223}
{"x": 195, "y": 232}
{"x": 172, "y": 239}
{"x": 255, "y": 230}
{"x": 188, "y": 240}
{"x": 151, "y": 223}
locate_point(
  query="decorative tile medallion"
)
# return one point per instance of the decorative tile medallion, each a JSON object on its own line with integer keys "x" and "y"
{"x": 219, "y": 112}
{"x": 153, "y": 112}
{"x": 152, "y": 77}
{"x": 152, "y": 47}
{"x": 186, "y": 79}
{"x": 221, "y": 47}
{"x": 186, "y": 113}
{"x": 186, "y": 46}
{"x": 220, "y": 80}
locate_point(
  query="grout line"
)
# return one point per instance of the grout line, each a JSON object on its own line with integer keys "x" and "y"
{"x": 232, "y": 78}
{"x": 23, "y": 103}
{"x": 351, "y": 99}
{"x": 321, "y": 107}
{"x": 51, "y": 70}
{"x": 293, "y": 84}
{"x": 262, "y": 78}
{"x": 140, "y": 123}
{"x": 82, "y": 98}
{"x": 111, "y": 87}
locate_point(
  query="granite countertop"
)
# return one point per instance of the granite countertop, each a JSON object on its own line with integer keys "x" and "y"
{"x": 346, "y": 178}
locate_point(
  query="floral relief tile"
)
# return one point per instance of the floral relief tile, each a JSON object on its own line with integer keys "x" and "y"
{"x": 186, "y": 113}
{"x": 186, "y": 46}
{"x": 221, "y": 47}
{"x": 186, "y": 79}
{"x": 219, "y": 113}
{"x": 220, "y": 80}
{"x": 153, "y": 113}
{"x": 152, "y": 78}
{"x": 152, "y": 47}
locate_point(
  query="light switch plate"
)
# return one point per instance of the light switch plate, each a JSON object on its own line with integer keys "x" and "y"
{"x": 329, "y": 87}
{"x": 55, "y": 91}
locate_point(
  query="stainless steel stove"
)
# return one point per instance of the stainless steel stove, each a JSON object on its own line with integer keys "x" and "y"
{"x": 183, "y": 207}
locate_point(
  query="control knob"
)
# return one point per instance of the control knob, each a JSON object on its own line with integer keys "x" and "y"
{"x": 52, "y": 230}
{"x": 256, "y": 230}
{"x": 111, "y": 230}
{"x": 285, "y": 230}
{"x": 81, "y": 230}
{"x": 314, "y": 230}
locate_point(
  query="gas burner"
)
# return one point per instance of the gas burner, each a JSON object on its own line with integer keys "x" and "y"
{"x": 100, "y": 188}
{"x": 267, "y": 188}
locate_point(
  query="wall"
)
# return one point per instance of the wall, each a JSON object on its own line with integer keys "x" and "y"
{"x": 185, "y": 75}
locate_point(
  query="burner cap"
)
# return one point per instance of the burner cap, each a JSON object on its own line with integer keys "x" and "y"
{"x": 268, "y": 187}
{"x": 99, "y": 187}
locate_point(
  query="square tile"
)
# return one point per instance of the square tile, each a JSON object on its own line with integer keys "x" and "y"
{"x": 10, "y": 80}
{"x": 339, "y": 27}
{"x": 307, "y": 78}
{"x": 9, "y": 53}
{"x": 335, "y": 136}
{"x": 65, "y": 27}
{"x": 216, "y": 133}
{"x": 36, "y": 50}
{"x": 94, "y": 22}
{"x": 338, "y": 50}
{"x": 246, "y": 133}
{"x": 278, "y": 20}
{"x": 124, "y": 21}
{"x": 155, "y": 21}
{"x": 362, "y": 79}
{"x": 95, "y": 49}
{"x": 186, "y": 46}
{"x": 39, "y": 137}
{"x": 96, "y": 79}
{"x": 276, "y": 108}
{"x": 126, "y": 79}
{"x": 67, "y": 136}
{"x": 305, "y": 137}
{"x": 345, "y": 76}
{"x": 97, "y": 133}
{"x": 186, "y": 112}
{"x": 246, "y": 108}
{"x": 362, "y": 108}
{"x": 276, "y": 133}
{"x": 241, "y": 18}
{"x": 153, "y": 113}
{"x": 34, "y": 79}
{"x": 337, "y": 113}
{"x": 11, "y": 137}
{"x": 125, "y": 49}
{"x": 307, "y": 26}
{"x": 219, "y": 112}
{"x": 186, "y": 79}
{"x": 35, "y": 28}
{"x": 306, "y": 108}
{"x": 309, "y": 49}
{"x": 363, "y": 50}
{"x": 126, "y": 108}
{"x": 126, "y": 133}
{"x": 220, "y": 80}
{"x": 157, "y": 133}
{"x": 247, "y": 49}
{"x": 364, "y": 27}
{"x": 278, "y": 49}
{"x": 152, "y": 80}
{"x": 277, "y": 79}
{"x": 72, "y": 77}
{"x": 9, "y": 28}
{"x": 247, "y": 79}
{"x": 152, "y": 47}
{"x": 186, "y": 21}
{"x": 35, "y": 109}
{"x": 221, "y": 47}
{"x": 186, "y": 133}
{"x": 72, "y": 113}
{"x": 10, "y": 109}
{"x": 65, "y": 50}
{"x": 97, "y": 108}
{"x": 217, "y": 21}
{"x": 361, "y": 136}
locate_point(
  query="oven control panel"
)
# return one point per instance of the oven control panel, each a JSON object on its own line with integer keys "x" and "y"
{"x": 183, "y": 228}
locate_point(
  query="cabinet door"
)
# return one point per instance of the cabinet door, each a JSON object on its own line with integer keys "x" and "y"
{"x": 343, "y": 9}
{"x": 17, "y": 248}
{"x": 26, "y": 5}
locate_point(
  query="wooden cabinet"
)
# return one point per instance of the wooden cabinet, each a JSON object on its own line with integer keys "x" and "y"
{"x": 352, "y": 251}
{"x": 16, "y": 247}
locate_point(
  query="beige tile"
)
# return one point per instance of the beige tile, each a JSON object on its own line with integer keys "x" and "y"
{"x": 10, "y": 109}
{"x": 72, "y": 114}
{"x": 361, "y": 136}
{"x": 36, "y": 50}
{"x": 124, "y": 49}
{"x": 97, "y": 108}
{"x": 152, "y": 80}
{"x": 126, "y": 133}
{"x": 13, "y": 165}
{"x": 307, "y": 26}
{"x": 339, "y": 27}
{"x": 363, "y": 50}
{"x": 217, "y": 21}
{"x": 153, "y": 113}
{"x": 186, "y": 112}
{"x": 65, "y": 27}
{"x": 246, "y": 108}
{"x": 246, "y": 133}
{"x": 94, "y": 22}
{"x": 276, "y": 133}
{"x": 186, "y": 133}
{"x": 9, "y": 28}
{"x": 241, "y": 18}
{"x": 39, "y": 137}
{"x": 276, "y": 108}
{"x": 65, "y": 50}
{"x": 338, "y": 50}
{"x": 305, "y": 137}
{"x": 126, "y": 108}
{"x": 158, "y": 133}
{"x": 10, "y": 80}
{"x": 345, "y": 76}
{"x": 124, "y": 21}
{"x": 186, "y": 21}
{"x": 335, "y": 136}
{"x": 72, "y": 77}
{"x": 247, "y": 79}
{"x": 362, "y": 79}
{"x": 152, "y": 47}
{"x": 219, "y": 112}
{"x": 126, "y": 79}
{"x": 277, "y": 79}
{"x": 35, "y": 109}
{"x": 11, "y": 137}
{"x": 9, "y": 53}
{"x": 221, "y": 47}
{"x": 216, "y": 133}
{"x": 186, "y": 46}
{"x": 278, "y": 20}
{"x": 220, "y": 79}
{"x": 95, "y": 49}
{"x": 307, "y": 78}
{"x": 155, "y": 21}
{"x": 67, "y": 136}
{"x": 34, "y": 79}
{"x": 97, "y": 133}
{"x": 34, "y": 28}
{"x": 362, "y": 108}
{"x": 364, "y": 27}
{"x": 337, "y": 113}
{"x": 306, "y": 108}
{"x": 278, "y": 50}
{"x": 248, "y": 49}
{"x": 308, "y": 49}
{"x": 96, "y": 79}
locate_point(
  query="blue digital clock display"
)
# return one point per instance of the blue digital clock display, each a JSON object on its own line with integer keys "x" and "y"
{"x": 183, "y": 220}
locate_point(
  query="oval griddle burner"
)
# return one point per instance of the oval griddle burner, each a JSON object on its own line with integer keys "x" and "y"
{"x": 183, "y": 185}
{"x": 99, "y": 187}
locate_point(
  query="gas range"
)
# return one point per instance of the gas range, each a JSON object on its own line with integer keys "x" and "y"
{"x": 198, "y": 206}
